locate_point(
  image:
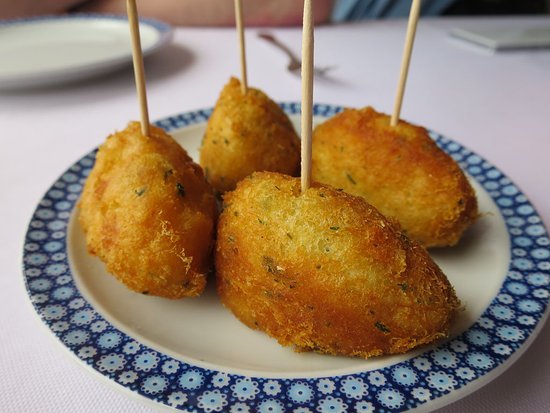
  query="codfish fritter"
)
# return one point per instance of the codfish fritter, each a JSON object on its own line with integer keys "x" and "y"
{"x": 149, "y": 214}
{"x": 324, "y": 271}
{"x": 400, "y": 170}
{"x": 247, "y": 133}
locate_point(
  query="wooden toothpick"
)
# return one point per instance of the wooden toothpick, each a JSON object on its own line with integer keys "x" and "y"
{"x": 307, "y": 95}
{"x": 240, "y": 33}
{"x": 409, "y": 41}
{"x": 139, "y": 71}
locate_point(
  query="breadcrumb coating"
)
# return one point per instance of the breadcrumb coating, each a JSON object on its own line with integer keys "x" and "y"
{"x": 400, "y": 170}
{"x": 149, "y": 214}
{"x": 325, "y": 271}
{"x": 244, "y": 134}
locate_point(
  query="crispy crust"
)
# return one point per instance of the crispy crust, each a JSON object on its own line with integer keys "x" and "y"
{"x": 247, "y": 133}
{"x": 325, "y": 271}
{"x": 149, "y": 214}
{"x": 400, "y": 171}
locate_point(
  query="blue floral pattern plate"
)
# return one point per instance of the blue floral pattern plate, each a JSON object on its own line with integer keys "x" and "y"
{"x": 193, "y": 355}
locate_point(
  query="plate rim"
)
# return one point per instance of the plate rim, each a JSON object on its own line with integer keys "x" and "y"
{"x": 228, "y": 391}
{"x": 63, "y": 75}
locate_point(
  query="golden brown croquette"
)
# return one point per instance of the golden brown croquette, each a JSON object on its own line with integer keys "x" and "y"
{"x": 325, "y": 271}
{"x": 247, "y": 133}
{"x": 149, "y": 214}
{"x": 399, "y": 170}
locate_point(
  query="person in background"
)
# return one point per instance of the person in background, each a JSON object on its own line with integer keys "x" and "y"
{"x": 349, "y": 10}
{"x": 179, "y": 12}
{"x": 264, "y": 13}
{"x": 11, "y": 9}
{"x": 270, "y": 12}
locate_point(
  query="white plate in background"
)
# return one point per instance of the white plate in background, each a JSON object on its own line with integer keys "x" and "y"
{"x": 51, "y": 50}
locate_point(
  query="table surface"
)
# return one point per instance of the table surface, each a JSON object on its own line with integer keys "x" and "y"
{"x": 495, "y": 104}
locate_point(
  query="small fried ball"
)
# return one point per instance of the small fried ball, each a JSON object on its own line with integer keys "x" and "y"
{"x": 324, "y": 271}
{"x": 149, "y": 214}
{"x": 400, "y": 170}
{"x": 246, "y": 133}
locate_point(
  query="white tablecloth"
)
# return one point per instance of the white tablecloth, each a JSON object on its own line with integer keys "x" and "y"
{"x": 498, "y": 105}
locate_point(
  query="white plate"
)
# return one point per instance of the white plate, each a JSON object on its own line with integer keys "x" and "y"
{"x": 51, "y": 50}
{"x": 194, "y": 354}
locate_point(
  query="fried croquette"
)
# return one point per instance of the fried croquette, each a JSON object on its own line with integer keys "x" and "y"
{"x": 399, "y": 170}
{"x": 149, "y": 214}
{"x": 246, "y": 133}
{"x": 324, "y": 271}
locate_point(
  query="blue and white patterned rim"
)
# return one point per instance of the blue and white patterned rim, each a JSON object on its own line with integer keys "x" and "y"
{"x": 505, "y": 326}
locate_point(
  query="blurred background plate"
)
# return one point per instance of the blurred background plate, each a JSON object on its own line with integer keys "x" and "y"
{"x": 51, "y": 50}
